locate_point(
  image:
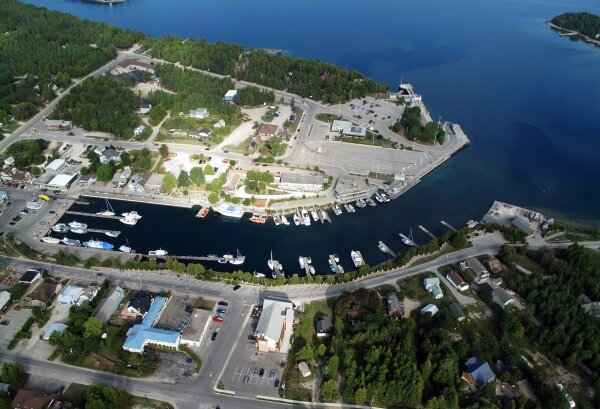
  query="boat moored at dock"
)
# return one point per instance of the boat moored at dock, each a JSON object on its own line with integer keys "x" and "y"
{"x": 50, "y": 240}
{"x": 131, "y": 215}
{"x": 108, "y": 211}
{"x": 158, "y": 253}
{"x": 360, "y": 203}
{"x": 129, "y": 221}
{"x": 229, "y": 210}
{"x": 77, "y": 225}
{"x": 126, "y": 249}
{"x": 357, "y": 258}
{"x": 259, "y": 218}
{"x": 305, "y": 217}
{"x": 60, "y": 228}
{"x": 98, "y": 244}
{"x": 79, "y": 230}
{"x": 238, "y": 259}
{"x": 71, "y": 242}
{"x": 112, "y": 233}
{"x": 337, "y": 209}
{"x": 370, "y": 202}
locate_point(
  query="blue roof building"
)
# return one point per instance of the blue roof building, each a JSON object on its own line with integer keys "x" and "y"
{"x": 142, "y": 334}
{"x": 477, "y": 373}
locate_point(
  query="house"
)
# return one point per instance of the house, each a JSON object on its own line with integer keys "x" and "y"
{"x": 4, "y": 299}
{"x": 88, "y": 294}
{"x": 145, "y": 108}
{"x": 304, "y": 369}
{"x": 494, "y": 265}
{"x": 70, "y": 295}
{"x": 120, "y": 178}
{"x": 56, "y": 327}
{"x": 219, "y": 124}
{"x": 348, "y": 128}
{"x": 274, "y": 327}
{"x": 501, "y": 297}
{"x": 202, "y": 133}
{"x": 199, "y": 113}
{"x": 43, "y": 294}
{"x": 229, "y": 95}
{"x": 457, "y": 311}
{"x": 356, "y": 313}
{"x": 301, "y": 182}
{"x": 30, "y": 276}
{"x": 144, "y": 333}
{"x": 109, "y": 155}
{"x": 137, "y": 305}
{"x": 87, "y": 180}
{"x": 480, "y": 272}
{"x": 267, "y": 131}
{"x": 139, "y": 130}
{"x": 58, "y": 125}
{"x": 477, "y": 373}
{"x": 457, "y": 281}
{"x": 107, "y": 306}
{"x": 430, "y": 309}
{"x": 129, "y": 65}
{"x": 395, "y": 307}
{"x": 324, "y": 326}
{"x": 432, "y": 284}
{"x": 590, "y": 307}
{"x": 33, "y": 399}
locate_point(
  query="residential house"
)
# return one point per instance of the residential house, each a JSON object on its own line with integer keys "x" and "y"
{"x": 87, "y": 180}
{"x": 432, "y": 284}
{"x": 33, "y": 399}
{"x": 324, "y": 326}
{"x": 202, "y": 133}
{"x": 137, "y": 305}
{"x": 145, "y": 108}
{"x": 219, "y": 124}
{"x": 30, "y": 276}
{"x": 477, "y": 373}
{"x": 109, "y": 155}
{"x": 480, "y": 272}
{"x": 590, "y": 307}
{"x": 9, "y": 161}
{"x": 274, "y": 327}
{"x": 494, "y": 265}
{"x": 42, "y": 295}
{"x": 430, "y": 309}
{"x": 199, "y": 113}
{"x": 139, "y": 130}
{"x": 56, "y": 327}
{"x": 304, "y": 369}
{"x": 230, "y": 95}
{"x": 267, "y": 131}
{"x": 70, "y": 295}
{"x": 107, "y": 306}
{"x": 457, "y": 281}
{"x": 356, "y": 313}
{"x": 11, "y": 174}
{"x": 502, "y": 297}
{"x": 395, "y": 307}
{"x": 4, "y": 299}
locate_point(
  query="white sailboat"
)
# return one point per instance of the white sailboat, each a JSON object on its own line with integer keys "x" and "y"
{"x": 108, "y": 211}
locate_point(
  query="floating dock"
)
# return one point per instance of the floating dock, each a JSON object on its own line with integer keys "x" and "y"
{"x": 430, "y": 234}
{"x": 384, "y": 248}
{"x": 448, "y": 226}
{"x": 203, "y": 212}
{"x": 102, "y": 216}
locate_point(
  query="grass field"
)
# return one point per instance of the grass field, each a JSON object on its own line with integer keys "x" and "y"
{"x": 530, "y": 264}
{"x": 203, "y": 304}
{"x": 306, "y": 327}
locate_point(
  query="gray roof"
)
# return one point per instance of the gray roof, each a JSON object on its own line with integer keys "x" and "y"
{"x": 272, "y": 319}
{"x": 304, "y": 179}
{"x": 324, "y": 324}
{"x": 457, "y": 310}
{"x": 107, "y": 306}
{"x": 475, "y": 266}
{"x": 502, "y": 295}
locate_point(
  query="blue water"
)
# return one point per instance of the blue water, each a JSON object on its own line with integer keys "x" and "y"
{"x": 528, "y": 99}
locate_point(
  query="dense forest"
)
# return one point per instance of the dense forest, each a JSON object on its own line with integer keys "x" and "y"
{"x": 101, "y": 104}
{"x": 307, "y": 78}
{"x": 252, "y": 96}
{"x": 41, "y": 48}
{"x": 586, "y": 23}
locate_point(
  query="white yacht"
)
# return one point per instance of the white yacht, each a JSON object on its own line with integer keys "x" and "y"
{"x": 79, "y": 230}
{"x": 238, "y": 259}
{"x": 296, "y": 219}
{"x": 126, "y": 249}
{"x": 258, "y": 275}
{"x": 131, "y": 215}
{"x": 76, "y": 225}
{"x": 112, "y": 233}
{"x": 50, "y": 239}
{"x": 60, "y": 228}
{"x": 305, "y": 217}
{"x": 284, "y": 220}
{"x": 71, "y": 242}
{"x": 129, "y": 221}
{"x": 357, "y": 258}
{"x": 229, "y": 210}
{"x": 108, "y": 211}
{"x": 158, "y": 253}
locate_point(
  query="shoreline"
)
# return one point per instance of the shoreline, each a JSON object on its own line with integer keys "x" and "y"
{"x": 574, "y": 33}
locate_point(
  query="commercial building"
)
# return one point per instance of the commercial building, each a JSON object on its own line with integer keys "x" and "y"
{"x": 274, "y": 326}
{"x": 154, "y": 183}
{"x": 348, "y": 128}
{"x": 301, "y": 182}
{"x": 34, "y": 204}
{"x": 61, "y": 181}
{"x": 199, "y": 113}
{"x": 267, "y": 131}
{"x": 55, "y": 166}
{"x": 143, "y": 334}
{"x": 196, "y": 327}
{"x": 349, "y": 188}
{"x": 432, "y": 284}
{"x": 87, "y": 180}
{"x": 130, "y": 65}
{"x": 229, "y": 95}
{"x": 58, "y": 125}
{"x": 457, "y": 281}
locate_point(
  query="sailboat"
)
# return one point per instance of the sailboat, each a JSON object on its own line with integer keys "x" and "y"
{"x": 408, "y": 241}
{"x": 284, "y": 220}
{"x": 108, "y": 211}
{"x": 238, "y": 259}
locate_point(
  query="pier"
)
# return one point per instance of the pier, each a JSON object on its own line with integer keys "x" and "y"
{"x": 411, "y": 241}
{"x": 430, "y": 234}
{"x": 306, "y": 266}
{"x": 102, "y": 231}
{"x": 276, "y": 269}
{"x": 74, "y": 213}
{"x": 334, "y": 265}
{"x": 384, "y": 248}
{"x": 199, "y": 258}
{"x": 448, "y": 226}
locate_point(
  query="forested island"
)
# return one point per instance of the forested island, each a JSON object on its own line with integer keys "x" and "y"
{"x": 585, "y": 24}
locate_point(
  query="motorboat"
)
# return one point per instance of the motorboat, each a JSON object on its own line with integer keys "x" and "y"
{"x": 351, "y": 209}
{"x": 311, "y": 269}
{"x": 158, "y": 253}
{"x": 336, "y": 258}
{"x": 258, "y": 275}
{"x": 60, "y": 228}
{"x": 382, "y": 247}
{"x": 71, "y": 242}
{"x": 50, "y": 240}
{"x": 238, "y": 259}
{"x": 357, "y": 258}
{"x": 112, "y": 233}
{"x": 340, "y": 269}
{"x": 229, "y": 210}
{"x": 259, "y": 218}
{"x": 360, "y": 203}
{"x": 98, "y": 244}
{"x": 129, "y": 221}
{"x": 131, "y": 215}
{"x": 305, "y": 217}
{"x": 108, "y": 211}
{"x": 385, "y": 197}
{"x": 337, "y": 209}
{"x": 314, "y": 215}
{"x": 325, "y": 216}
{"x": 277, "y": 220}
{"x": 284, "y": 220}
{"x": 126, "y": 249}
{"x": 370, "y": 202}
{"x": 378, "y": 197}
{"x": 296, "y": 220}
{"x": 76, "y": 225}
{"x": 79, "y": 230}
{"x": 204, "y": 212}
{"x": 222, "y": 260}
{"x": 309, "y": 260}
{"x": 228, "y": 256}
{"x": 301, "y": 261}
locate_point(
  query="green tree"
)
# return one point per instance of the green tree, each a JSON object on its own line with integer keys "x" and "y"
{"x": 209, "y": 170}
{"x": 197, "y": 175}
{"x": 329, "y": 391}
{"x": 163, "y": 150}
{"x": 213, "y": 198}
{"x": 183, "y": 180}
{"x": 306, "y": 353}
{"x": 169, "y": 183}
{"x": 13, "y": 374}
{"x": 101, "y": 396}
{"x": 93, "y": 328}
{"x": 105, "y": 172}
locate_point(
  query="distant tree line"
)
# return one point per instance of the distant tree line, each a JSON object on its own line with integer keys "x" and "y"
{"x": 586, "y": 23}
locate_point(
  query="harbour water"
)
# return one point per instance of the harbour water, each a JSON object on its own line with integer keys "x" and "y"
{"x": 528, "y": 99}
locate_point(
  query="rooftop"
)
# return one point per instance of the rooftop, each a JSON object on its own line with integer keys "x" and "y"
{"x": 29, "y": 276}
{"x": 273, "y": 317}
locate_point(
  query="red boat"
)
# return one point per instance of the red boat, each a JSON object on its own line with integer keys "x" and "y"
{"x": 203, "y": 212}
{"x": 258, "y": 218}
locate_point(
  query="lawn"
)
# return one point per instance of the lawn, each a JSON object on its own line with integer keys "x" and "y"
{"x": 203, "y": 304}
{"x": 413, "y": 289}
{"x": 377, "y": 141}
{"x": 307, "y": 321}
{"x": 75, "y": 394}
{"x": 323, "y": 117}
{"x": 530, "y": 264}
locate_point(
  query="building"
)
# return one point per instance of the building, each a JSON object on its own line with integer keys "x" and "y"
{"x": 33, "y": 399}
{"x": 56, "y": 327}
{"x": 199, "y": 113}
{"x": 394, "y": 306}
{"x": 30, "y": 276}
{"x": 523, "y": 225}
{"x": 87, "y": 180}
{"x": 4, "y": 298}
{"x": 110, "y": 154}
{"x": 13, "y": 175}
{"x": 229, "y": 95}
{"x": 501, "y": 297}
{"x": 145, "y": 108}
{"x": 196, "y": 326}
{"x": 324, "y": 326}
{"x": 457, "y": 281}
{"x": 139, "y": 130}
{"x": 58, "y": 125}
{"x": 432, "y": 284}
{"x": 130, "y": 65}
{"x": 70, "y": 295}
{"x": 9, "y": 161}
{"x": 202, "y": 133}
{"x": 61, "y": 181}
{"x": 457, "y": 311}
{"x": 137, "y": 305}
{"x": 430, "y": 309}
{"x": 219, "y": 124}
{"x": 494, "y": 265}
{"x": 55, "y": 166}
{"x": 301, "y": 182}
{"x": 349, "y": 188}
{"x": 267, "y": 131}
{"x": 590, "y": 307}
{"x": 480, "y": 272}
{"x": 348, "y": 128}
{"x": 304, "y": 369}
{"x": 274, "y": 326}
{"x": 477, "y": 373}
{"x": 107, "y": 306}
{"x": 35, "y": 205}
{"x": 143, "y": 334}
{"x": 43, "y": 294}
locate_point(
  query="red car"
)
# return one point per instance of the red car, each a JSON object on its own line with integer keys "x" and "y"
{"x": 217, "y": 319}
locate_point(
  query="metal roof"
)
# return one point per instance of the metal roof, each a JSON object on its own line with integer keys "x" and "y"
{"x": 274, "y": 314}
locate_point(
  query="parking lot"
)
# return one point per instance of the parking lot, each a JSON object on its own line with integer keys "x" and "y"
{"x": 14, "y": 322}
{"x": 176, "y": 317}
{"x": 369, "y": 112}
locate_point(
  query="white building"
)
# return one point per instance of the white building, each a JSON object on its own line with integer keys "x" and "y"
{"x": 301, "y": 182}
{"x": 4, "y": 298}
{"x": 501, "y": 297}
{"x": 139, "y": 130}
{"x": 199, "y": 113}
{"x": 348, "y": 128}
{"x": 61, "y": 181}
{"x": 230, "y": 95}
{"x": 457, "y": 281}
{"x": 9, "y": 161}
{"x": 274, "y": 327}
{"x": 432, "y": 284}
{"x": 70, "y": 295}
{"x": 145, "y": 108}
{"x": 55, "y": 165}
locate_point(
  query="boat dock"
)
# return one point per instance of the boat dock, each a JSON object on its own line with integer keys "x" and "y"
{"x": 306, "y": 266}
{"x": 333, "y": 263}
{"x": 430, "y": 234}
{"x": 412, "y": 243}
{"x": 448, "y": 226}
{"x": 386, "y": 249}
{"x": 276, "y": 269}
{"x": 99, "y": 231}
{"x": 199, "y": 258}
{"x": 74, "y": 213}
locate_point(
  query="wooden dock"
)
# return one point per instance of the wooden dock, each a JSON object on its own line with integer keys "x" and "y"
{"x": 430, "y": 234}
{"x": 386, "y": 249}
{"x": 448, "y": 225}
{"x": 99, "y": 231}
{"x": 203, "y": 212}
{"x": 333, "y": 263}
{"x": 74, "y": 213}
{"x": 199, "y": 258}
{"x": 306, "y": 266}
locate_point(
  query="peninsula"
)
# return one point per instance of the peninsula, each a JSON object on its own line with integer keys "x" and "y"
{"x": 578, "y": 25}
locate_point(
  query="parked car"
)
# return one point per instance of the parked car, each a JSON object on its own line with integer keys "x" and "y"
{"x": 261, "y": 372}
{"x": 246, "y": 379}
{"x": 272, "y": 374}
{"x": 223, "y": 303}
{"x": 217, "y": 319}
{"x": 276, "y": 384}
{"x": 236, "y": 287}
{"x": 214, "y": 335}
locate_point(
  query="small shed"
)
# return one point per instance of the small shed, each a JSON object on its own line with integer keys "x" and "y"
{"x": 304, "y": 369}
